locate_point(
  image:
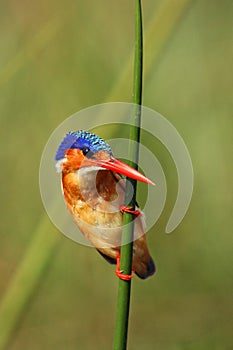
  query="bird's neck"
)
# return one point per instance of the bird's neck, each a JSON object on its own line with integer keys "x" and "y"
{"x": 90, "y": 184}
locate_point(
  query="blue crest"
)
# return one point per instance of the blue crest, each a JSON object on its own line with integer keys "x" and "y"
{"x": 82, "y": 139}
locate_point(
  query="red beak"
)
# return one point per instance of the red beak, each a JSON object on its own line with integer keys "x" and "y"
{"x": 123, "y": 169}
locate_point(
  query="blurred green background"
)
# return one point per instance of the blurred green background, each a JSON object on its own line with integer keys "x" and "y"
{"x": 58, "y": 57}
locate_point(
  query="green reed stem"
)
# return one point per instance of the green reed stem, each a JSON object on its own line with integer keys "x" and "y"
{"x": 123, "y": 302}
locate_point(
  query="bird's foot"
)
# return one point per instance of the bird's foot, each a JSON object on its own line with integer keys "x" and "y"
{"x": 120, "y": 273}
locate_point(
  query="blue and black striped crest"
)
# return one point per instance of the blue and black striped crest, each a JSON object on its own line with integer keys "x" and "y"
{"x": 82, "y": 139}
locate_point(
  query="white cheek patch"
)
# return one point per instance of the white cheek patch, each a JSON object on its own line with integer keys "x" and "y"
{"x": 59, "y": 164}
{"x": 87, "y": 175}
{"x": 89, "y": 169}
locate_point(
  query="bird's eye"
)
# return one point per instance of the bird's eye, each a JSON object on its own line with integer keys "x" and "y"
{"x": 86, "y": 152}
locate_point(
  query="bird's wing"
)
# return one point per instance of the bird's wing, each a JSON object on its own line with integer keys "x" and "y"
{"x": 143, "y": 264}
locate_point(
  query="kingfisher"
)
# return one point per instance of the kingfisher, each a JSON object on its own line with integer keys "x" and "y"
{"x": 93, "y": 184}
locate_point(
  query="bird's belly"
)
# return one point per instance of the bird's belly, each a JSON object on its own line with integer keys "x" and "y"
{"x": 101, "y": 228}
{"x": 94, "y": 201}
{"x": 95, "y": 207}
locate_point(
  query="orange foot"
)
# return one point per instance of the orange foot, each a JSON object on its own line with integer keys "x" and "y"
{"x": 120, "y": 273}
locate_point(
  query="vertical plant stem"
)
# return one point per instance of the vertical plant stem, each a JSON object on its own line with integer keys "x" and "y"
{"x": 124, "y": 288}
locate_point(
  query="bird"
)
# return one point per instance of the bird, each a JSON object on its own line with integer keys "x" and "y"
{"x": 93, "y": 185}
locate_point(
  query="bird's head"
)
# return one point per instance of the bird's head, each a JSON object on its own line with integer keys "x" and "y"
{"x": 81, "y": 149}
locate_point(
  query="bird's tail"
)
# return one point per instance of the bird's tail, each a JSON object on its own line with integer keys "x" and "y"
{"x": 143, "y": 264}
{"x": 144, "y": 270}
